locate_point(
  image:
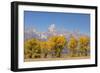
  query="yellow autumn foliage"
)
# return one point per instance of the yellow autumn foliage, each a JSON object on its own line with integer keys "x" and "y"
{"x": 31, "y": 46}
{"x": 34, "y": 48}
{"x": 72, "y": 44}
{"x": 84, "y": 41}
{"x": 58, "y": 40}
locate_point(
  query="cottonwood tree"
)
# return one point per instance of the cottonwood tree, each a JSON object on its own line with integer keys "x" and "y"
{"x": 32, "y": 48}
{"x": 72, "y": 45}
{"x": 84, "y": 45}
{"x": 60, "y": 42}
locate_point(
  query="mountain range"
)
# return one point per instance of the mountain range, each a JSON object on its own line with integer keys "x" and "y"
{"x": 31, "y": 32}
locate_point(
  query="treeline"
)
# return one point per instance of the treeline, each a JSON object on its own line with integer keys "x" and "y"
{"x": 34, "y": 48}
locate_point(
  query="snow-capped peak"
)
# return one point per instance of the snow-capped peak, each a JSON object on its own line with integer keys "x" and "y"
{"x": 52, "y": 28}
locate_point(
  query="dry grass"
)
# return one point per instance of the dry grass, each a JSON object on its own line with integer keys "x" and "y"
{"x": 64, "y": 57}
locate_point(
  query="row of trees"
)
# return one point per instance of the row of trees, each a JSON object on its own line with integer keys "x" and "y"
{"x": 35, "y": 48}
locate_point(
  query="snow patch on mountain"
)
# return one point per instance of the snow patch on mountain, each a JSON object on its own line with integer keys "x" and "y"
{"x": 52, "y": 31}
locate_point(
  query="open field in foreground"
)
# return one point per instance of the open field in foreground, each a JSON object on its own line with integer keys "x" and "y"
{"x": 54, "y": 59}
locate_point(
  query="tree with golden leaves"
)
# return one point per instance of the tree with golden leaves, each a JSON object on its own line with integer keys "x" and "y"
{"x": 60, "y": 42}
{"x": 72, "y": 45}
{"x": 32, "y": 48}
{"x": 46, "y": 47}
{"x": 84, "y": 45}
{"x": 28, "y": 49}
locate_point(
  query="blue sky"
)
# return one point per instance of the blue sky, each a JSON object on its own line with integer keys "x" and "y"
{"x": 69, "y": 21}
